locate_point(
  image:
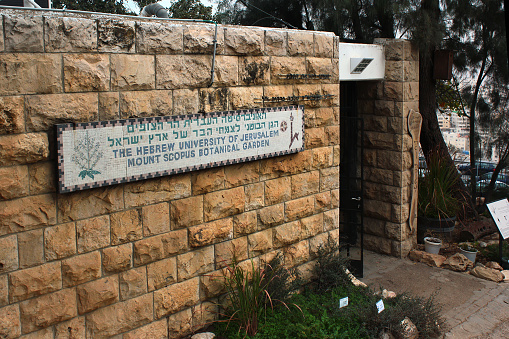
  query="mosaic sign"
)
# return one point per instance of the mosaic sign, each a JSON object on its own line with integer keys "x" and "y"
{"x": 105, "y": 153}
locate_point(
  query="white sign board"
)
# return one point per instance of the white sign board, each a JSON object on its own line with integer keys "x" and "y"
{"x": 499, "y": 211}
{"x": 111, "y": 152}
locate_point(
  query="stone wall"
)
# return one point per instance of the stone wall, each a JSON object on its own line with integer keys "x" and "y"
{"x": 136, "y": 260}
{"x": 384, "y": 106}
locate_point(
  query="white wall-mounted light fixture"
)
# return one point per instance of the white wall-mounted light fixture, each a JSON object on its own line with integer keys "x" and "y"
{"x": 359, "y": 62}
{"x": 358, "y": 65}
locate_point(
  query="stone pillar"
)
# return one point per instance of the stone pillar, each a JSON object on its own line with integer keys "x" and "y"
{"x": 388, "y": 163}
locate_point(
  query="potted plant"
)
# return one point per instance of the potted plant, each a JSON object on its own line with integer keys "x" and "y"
{"x": 432, "y": 245}
{"x": 437, "y": 204}
{"x": 468, "y": 251}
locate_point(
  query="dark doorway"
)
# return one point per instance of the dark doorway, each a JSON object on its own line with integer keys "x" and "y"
{"x": 351, "y": 178}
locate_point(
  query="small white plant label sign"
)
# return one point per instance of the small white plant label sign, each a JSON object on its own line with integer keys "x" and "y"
{"x": 380, "y": 305}
{"x": 343, "y": 302}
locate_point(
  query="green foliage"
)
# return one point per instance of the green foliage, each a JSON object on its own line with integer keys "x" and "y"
{"x": 436, "y": 189}
{"x": 491, "y": 252}
{"x": 320, "y": 317}
{"x": 190, "y": 9}
{"x": 281, "y": 282}
{"x": 105, "y": 6}
{"x": 330, "y": 270}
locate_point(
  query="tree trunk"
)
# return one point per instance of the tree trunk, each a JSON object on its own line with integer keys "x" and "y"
{"x": 431, "y": 136}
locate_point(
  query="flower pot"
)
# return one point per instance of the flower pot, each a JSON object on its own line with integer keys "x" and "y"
{"x": 432, "y": 245}
{"x": 469, "y": 254}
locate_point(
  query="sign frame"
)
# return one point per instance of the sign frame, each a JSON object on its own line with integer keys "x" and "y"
{"x": 65, "y": 128}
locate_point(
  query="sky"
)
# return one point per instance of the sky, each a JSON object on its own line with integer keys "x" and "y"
{"x": 166, "y": 3}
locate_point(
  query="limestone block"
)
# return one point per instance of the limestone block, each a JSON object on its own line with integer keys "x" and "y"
{"x": 396, "y": 231}
{"x": 331, "y": 219}
{"x": 30, "y": 248}
{"x": 260, "y": 242}
{"x": 322, "y": 201}
{"x": 305, "y": 184}
{"x": 71, "y": 329}
{"x": 4, "y": 291}
{"x": 27, "y": 213}
{"x": 324, "y": 45}
{"x": 14, "y": 182}
{"x": 337, "y": 158}
{"x": 411, "y": 71}
{"x": 279, "y": 92}
{"x": 226, "y": 72}
{"x": 23, "y": 33}
{"x": 93, "y": 233}
{"x": 329, "y": 178}
{"x": 161, "y": 273}
{"x": 287, "y": 234}
{"x": 315, "y": 137}
{"x": 140, "y": 104}
{"x": 176, "y": 297}
{"x": 42, "y": 178}
{"x": 375, "y": 226}
{"x": 312, "y": 225}
{"x": 204, "y": 314}
{"x": 411, "y": 91}
{"x": 275, "y": 42}
{"x": 377, "y": 244}
{"x": 226, "y": 251}
{"x": 132, "y": 72}
{"x": 47, "y": 310}
{"x": 300, "y": 43}
{"x": 118, "y": 258}
{"x": 208, "y": 180}
{"x": 211, "y": 233}
{"x": 186, "y": 212}
{"x": 288, "y": 164}
{"x": 157, "y": 190}
{"x": 271, "y": 215}
{"x": 86, "y": 72}
{"x": 379, "y": 140}
{"x": 109, "y": 106}
{"x": 299, "y": 208}
{"x": 310, "y": 90}
{"x": 296, "y": 254}
{"x": 317, "y": 242}
{"x": 70, "y": 34}
{"x": 378, "y": 175}
{"x": 332, "y": 90}
{"x": 394, "y": 49}
{"x": 325, "y": 116}
{"x": 193, "y": 263}
{"x": 12, "y": 115}
{"x": 385, "y": 108}
{"x": 81, "y": 268}
{"x": 394, "y": 70}
{"x": 185, "y": 101}
{"x": 393, "y": 91}
{"x": 97, "y": 294}
{"x": 90, "y": 203}
{"x": 254, "y": 70}
{"x": 159, "y": 247}
{"x": 212, "y": 284}
{"x": 133, "y": 283}
{"x": 23, "y": 148}
{"x": 241, "y": 174}
{"x": 126, "y": 226}
{"x": 377, "y": 209}
{"x": 244, "y": 41}
{"x": 335, "y": 198}
{"x": 158, "y": 38}
{"x": 245, "y": 223}
{"x": 9, "y": 254}
{"x": 217, "y": 205}
{"x": 120, "y": 317}
{"x": 278, "y": 190}
{"x": 323, "y": 157}
{"x": 31, "y": 282}
{"x": 9, "y": 318}
{"x": 43, "y": 111}
{"x": 155, "y": 330}
{"x": 199, "y": 39}
{"x": 156, "y": 219}
{"x": 181, "y": 71}
{"x": 213, "y": 99}
{"x": 401, "y": 212}
{"x": 180, "y": 324}
{"x": 30, "y": 74}
{"x": 320, "y": 66}
{"x": 254, "y": 196}
{"x": 382, "y": 192}
{"x": 116, "y": 36}
{"x": 245, "y": 97}
{"x": 281, "y": 66}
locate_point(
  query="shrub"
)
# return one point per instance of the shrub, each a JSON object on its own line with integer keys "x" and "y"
{"x": 331, "y": 267}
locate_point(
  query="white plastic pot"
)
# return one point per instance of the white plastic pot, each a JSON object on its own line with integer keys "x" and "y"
{"x": 432, "y": 245}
